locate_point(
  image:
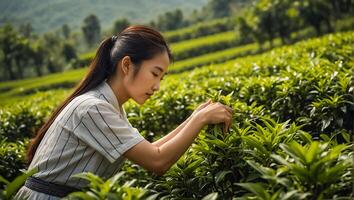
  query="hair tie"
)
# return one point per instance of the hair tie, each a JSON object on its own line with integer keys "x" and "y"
{"x": 114, "y": 38}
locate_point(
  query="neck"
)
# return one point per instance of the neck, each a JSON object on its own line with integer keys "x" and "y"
{"x": 118, "y": 90}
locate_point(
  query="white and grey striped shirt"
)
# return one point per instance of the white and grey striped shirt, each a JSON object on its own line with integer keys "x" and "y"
{"x": 89, "y": 135}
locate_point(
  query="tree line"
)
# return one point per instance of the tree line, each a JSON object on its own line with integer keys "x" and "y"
{"x": 269, "y": 19}
{"x": 25, "y": 54}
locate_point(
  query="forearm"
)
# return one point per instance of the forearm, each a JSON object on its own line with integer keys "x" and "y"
{"x": 172, "y": 134}
{"x": 174, "y": 148}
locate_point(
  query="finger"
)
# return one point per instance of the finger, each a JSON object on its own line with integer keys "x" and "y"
{"x": 228, "y": 128}
{"x": 227, "y": 125}
{"x": 226, "y": 121}
{"x": 229, "y": 115}
{"x": 229, "y": 122}
{"x": 201, "y": 106}
{"x": 208, "y": 102}
{"x": 229, "y": 109}
{"x": 204, "y": 105}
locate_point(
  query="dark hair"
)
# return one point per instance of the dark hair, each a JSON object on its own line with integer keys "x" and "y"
{"x": 138, "y": 42}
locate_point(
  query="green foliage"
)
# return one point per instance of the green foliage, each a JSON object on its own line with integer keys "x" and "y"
{"x": 191, "y": 48}
{"x": 219, "y": 8}
{"x": 12, "y": 158}
{"x": 12, "y": 187}
{"x": 200, "y": 29}
{"x": 91, "y": 29}
{"x": 283, "y": 143}
{"x": 315, "y": 168}
{"x": 22, "y": 121}
{"x": 263, "y": 141}
{"x": 15, "y": 51}
{"x": 170, "y": 20}
{"x": 269, "y": 19}
{"x": 312, "y": 171}
{"x": 215, "y": 58}
{"x": 119, "y": 25}
{"x": 24, "y": 56}
{"x": 109, "y": 189}
{"x": 55, "y": 14}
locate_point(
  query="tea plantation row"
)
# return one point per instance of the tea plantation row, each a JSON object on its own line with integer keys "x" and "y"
{"x": 291, "y": 137}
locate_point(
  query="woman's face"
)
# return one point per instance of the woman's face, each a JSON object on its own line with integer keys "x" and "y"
{"x": 147, "y": 80}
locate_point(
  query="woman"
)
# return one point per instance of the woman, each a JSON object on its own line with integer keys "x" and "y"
{"x": 90, "y": 131}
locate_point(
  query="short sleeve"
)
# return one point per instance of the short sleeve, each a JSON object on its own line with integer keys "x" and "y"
{"x": 103, "y": 128}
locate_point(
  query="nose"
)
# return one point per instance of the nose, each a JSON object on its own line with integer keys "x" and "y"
{"x": 156, "y": 86}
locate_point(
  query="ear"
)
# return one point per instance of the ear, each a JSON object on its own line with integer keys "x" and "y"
{"x": 126, "y": 64}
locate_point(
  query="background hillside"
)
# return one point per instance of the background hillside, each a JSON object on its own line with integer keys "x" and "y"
{"x": 48, "y": 15}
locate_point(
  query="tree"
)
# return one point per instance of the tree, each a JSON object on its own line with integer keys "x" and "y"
{"x": 170, "y": 20}
{"x": 120, "y": 25}
{"x": 266, "y": 19}
{"x": 342, "y": 6}
{"x": 8, "y": 37}
{"x": 38, "y": 56}
{"x": 66, "y": 31}
{"x": 315, "y": 13}
{"x": 91, "y": 29}
{"x": 15, "y": 50}
{"x": 152, "y": 23}
{"x": 52, "y": 47}
{"x": 195, "y": 17}
{"x": 69, "y": 52}
{"x": 21, "y": 56}
{"x": 219, "y": 8}
{"x": 26, "y": 30}
{"x": 285, "y": 19}
{"x": 247, "y": 26}
{"x": 276, "y": 19}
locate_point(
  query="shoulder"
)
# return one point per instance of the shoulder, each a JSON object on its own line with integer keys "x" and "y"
{"x": 92, "y": 103}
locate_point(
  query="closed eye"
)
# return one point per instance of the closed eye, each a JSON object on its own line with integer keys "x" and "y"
{"x": 156, "y": 75}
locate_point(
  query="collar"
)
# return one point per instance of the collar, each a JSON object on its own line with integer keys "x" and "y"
{"x": 109, "y": 95}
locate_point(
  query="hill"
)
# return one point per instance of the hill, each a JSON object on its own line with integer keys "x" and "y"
{"x": 48, "y": 15}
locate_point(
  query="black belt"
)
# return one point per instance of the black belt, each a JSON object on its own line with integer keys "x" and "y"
{"x": 49, "y": 188}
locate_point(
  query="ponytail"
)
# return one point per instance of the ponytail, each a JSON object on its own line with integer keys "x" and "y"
{"x": 99, "y": 70}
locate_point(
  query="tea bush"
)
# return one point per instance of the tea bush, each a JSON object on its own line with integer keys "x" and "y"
{"x": 12, "y": 158}
{"x": 201, "y": 29}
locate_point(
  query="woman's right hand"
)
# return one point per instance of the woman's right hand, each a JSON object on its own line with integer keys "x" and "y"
{"x": 215, "y": 113}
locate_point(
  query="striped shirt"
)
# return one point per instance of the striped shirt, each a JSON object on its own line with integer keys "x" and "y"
{"x": 89, "y": 135}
